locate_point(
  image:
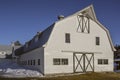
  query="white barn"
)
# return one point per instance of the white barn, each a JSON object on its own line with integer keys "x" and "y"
{"x": 77, "y": 43}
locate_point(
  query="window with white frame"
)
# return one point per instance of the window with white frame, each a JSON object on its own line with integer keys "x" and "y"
{"x": 38, "y": 61}
{"x": 97, "y": 40}
{"x": 67, "y": 38}
{"x": 28, "y": 62}
{"x": 56, "y": 61}
{"x": 102, "y": 61}
{"x": 64, "y": 61}
{"x": 33, "y": 62}
{"x": 60, "y": 61}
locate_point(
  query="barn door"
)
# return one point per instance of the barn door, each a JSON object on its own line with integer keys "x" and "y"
{"x": 83, "y": 62}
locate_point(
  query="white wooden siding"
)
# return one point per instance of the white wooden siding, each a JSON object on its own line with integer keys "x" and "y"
{"x": 35, "y": 55}
{"x": 80, "y": 42}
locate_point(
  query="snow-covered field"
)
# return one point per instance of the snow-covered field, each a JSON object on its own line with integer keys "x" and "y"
{"x": 9, "y": 68}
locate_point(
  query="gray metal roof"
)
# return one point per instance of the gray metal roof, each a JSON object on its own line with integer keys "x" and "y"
{"x": 43, "y": 38}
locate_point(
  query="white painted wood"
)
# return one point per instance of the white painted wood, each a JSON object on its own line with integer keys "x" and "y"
{"x": 35, "y": 55}
{"x": 80, "y": 42}
{"x": 56, "y": 47}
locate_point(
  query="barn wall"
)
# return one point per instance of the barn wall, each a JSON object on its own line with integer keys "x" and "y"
{"x": 34, "y": 55}
{"x": 102, "y": 68}
{"x": 54, "y": 69}
{"x": 80, "y": 42}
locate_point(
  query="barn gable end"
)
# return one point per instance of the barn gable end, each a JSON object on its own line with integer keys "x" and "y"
{"x": 90, "y": 13}
{"x": 80, "y": 44}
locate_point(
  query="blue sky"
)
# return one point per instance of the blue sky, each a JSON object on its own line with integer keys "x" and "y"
{"x": 22, "y": 19}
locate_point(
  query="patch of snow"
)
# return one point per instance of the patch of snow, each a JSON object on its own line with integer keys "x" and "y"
{"x": 12, "y": 69}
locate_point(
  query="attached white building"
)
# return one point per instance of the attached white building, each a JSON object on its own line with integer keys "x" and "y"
{"x": 77, "y": 43}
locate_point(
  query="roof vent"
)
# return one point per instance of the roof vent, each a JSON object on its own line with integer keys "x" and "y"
{"x": 60, "y": 17}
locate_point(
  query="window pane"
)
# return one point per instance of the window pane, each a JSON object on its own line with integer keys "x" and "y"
{"x": 99, "y": 61}
{"x": 67, "y": 38}
{"x": 105, "y": 61}
{"x": 64, "y": 62}
{"x": 56, "y": 61}
{"x": 33, "y": 62}
{"x": 97, "y": 40}
{"x": 28, "y": 62}
{"x": 38, "y": 61}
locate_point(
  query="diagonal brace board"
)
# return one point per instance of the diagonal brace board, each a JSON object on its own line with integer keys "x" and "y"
{"x": 83, "y": 24}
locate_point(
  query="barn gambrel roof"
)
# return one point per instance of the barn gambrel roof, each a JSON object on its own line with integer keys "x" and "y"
{"x": 88, "y": 11}
{"x": 43, "y": 39}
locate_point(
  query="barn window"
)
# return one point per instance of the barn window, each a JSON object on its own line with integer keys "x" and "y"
{"x": 97, "y": 40}
{"x": 33, "y": 62}
{"x": 105, "y": 61}
{"x": 56, "y": 61}
{"x": 64, "y": 62}
{"x": 28, "y": 62}
{"x": 99, "y": 61}
{"x": 67, "y": 37}
{"x": 102, "y": 61}
{"x": 38, "y": 61}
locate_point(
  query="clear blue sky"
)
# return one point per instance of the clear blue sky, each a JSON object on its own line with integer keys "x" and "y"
{"x": 21, "y": 19}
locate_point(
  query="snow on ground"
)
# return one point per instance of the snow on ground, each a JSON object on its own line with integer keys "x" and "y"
{"x": 12, "y": 69}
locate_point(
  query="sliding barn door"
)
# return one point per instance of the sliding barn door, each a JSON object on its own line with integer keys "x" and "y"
{"x": 83, "y": 62}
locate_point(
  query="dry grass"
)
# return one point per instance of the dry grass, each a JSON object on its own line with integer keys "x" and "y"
{"x": 88, "y": 76}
